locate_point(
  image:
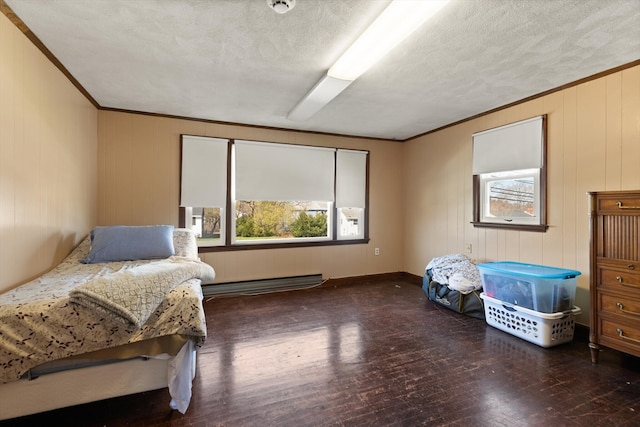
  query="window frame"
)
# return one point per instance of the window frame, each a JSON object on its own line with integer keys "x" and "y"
{"x": 479, "y": 203}
{"x": 228, "y": 239}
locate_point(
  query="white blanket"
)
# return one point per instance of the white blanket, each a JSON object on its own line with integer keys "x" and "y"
{"x": 457, "y": 271}
{"x": 132, "y": 295}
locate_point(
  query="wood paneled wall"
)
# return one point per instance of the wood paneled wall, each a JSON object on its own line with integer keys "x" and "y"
{"x": 138, "y": 175}
{"x": 593, "y": 144}
{"x": 56, "y": 149}
{"x": 48, "y": 158}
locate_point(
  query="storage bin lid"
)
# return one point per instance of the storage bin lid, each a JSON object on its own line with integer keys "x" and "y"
{"x": 530, "y": 270}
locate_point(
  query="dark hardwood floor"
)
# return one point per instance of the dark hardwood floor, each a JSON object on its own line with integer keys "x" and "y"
{"x": 374, "y": 354}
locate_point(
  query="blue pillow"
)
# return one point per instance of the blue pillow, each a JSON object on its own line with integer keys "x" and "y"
{"x": 130, "y": 243}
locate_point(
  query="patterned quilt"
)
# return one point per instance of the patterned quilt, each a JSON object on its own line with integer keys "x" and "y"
{"x": 40, "y": 323}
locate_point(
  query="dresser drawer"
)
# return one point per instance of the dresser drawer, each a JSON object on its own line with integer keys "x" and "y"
{"x": 620, "y": 334}
{"x": 623, "y": 204}
{"x": 622, "y": 306}
{"x": 620, "y": 280}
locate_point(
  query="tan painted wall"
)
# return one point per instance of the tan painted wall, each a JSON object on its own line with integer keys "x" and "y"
{"x": 593, "y": 144}
{"x": 420, "y": 190}
{"x": 138, "y": 176}
{"x": 48, "y": 152}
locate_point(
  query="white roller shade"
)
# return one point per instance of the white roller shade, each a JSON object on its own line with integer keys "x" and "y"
{"x": 281, "y": 172}
{"x": 204, "y": 172}
{"x": 351, "y": 178}
{"x": 512, "y": 147}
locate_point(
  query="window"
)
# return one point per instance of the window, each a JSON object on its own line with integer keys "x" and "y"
{"x": 281, "y": 192}
{"x": 270, "y": 193}
{"x": 351, "y": 192}
{"x": 510, "y": 196}
{"x": 203, "y": 190}
{"x": 509, "y": 176}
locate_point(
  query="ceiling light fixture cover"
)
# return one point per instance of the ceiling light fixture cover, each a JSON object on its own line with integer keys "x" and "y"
{"x": 281, "y": 6}
{"x": 395, "y": 23}
{"x": 319, "y": 96}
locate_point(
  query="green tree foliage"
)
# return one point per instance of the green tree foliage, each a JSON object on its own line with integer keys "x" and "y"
{"x": 309, "y": 226}
{"x": 263, "y": 219}
{"x": 244, "y": 227}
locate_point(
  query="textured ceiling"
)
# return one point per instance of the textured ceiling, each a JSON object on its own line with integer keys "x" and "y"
{"x": 239, "y": 61}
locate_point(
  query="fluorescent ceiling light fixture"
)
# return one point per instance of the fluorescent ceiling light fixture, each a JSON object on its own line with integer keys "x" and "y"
{"x": 395, "y": 23}
{"x": 321, "y": 94}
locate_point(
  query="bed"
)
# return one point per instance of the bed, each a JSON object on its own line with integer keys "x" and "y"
{"x": 121, "y": 314}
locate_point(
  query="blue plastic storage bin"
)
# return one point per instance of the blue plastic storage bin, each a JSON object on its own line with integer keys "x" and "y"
{"x": 535, "y": 287}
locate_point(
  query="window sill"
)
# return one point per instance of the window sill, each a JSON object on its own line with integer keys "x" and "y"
{"x": 519, "y": 227}
{"x": 231, "y": 248}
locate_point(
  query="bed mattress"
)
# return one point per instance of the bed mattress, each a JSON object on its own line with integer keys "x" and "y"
{"x": 41, "y": 325}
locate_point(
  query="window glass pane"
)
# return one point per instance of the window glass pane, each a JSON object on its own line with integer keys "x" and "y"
{"x": 511, "y": 197}
{"x": 259, "y": 221}
{"x": 207, "y": 224}
{"x": 350, "y": 223}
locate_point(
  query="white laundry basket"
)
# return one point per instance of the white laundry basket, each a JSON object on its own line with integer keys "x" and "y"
{"x": 543, "y": 329}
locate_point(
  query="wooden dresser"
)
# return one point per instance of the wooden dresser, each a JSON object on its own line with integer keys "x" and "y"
{"x": 615, "y": 271}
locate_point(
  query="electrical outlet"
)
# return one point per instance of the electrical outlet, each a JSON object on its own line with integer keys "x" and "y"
{"x": 469, "y": 248}
{"x": 376, "y": 251}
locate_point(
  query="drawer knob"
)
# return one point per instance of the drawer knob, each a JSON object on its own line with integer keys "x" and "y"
{"x": 624, "y": 337}
{"x": 631, "y": 267}
{"x": 622, "y": 309}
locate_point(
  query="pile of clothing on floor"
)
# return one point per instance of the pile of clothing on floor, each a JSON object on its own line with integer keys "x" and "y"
{"x": 453, "y": 281}
{"x": 457, "y": 271}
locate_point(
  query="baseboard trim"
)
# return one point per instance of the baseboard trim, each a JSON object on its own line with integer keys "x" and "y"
{"x": 370, "y": 278}
{"x": 300, "y": 282}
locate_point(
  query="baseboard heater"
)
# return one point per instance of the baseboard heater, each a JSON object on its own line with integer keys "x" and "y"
{"x": 252, "y": 287}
